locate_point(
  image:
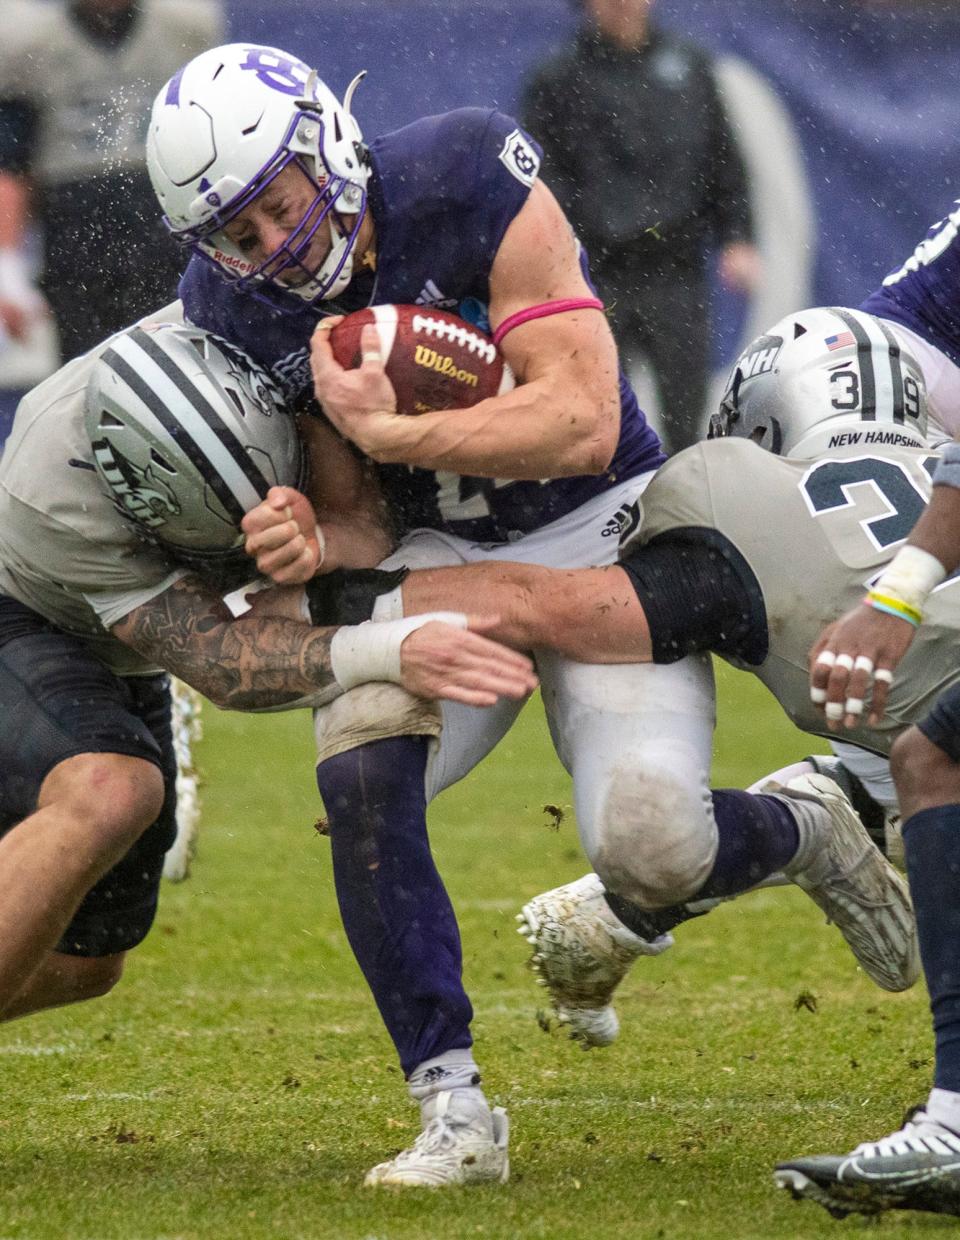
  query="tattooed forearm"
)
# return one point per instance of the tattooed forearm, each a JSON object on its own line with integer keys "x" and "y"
{"x": 258, "y": 663}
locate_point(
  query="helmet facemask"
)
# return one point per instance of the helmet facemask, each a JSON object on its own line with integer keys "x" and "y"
{"x": 728, "y": 421}
{"x": 287, "y": 271}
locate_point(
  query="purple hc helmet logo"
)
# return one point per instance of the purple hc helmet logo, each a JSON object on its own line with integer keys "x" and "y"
{"x": 278, "y": 72}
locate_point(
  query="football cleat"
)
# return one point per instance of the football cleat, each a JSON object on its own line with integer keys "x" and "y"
{"x": 883, "y": 823}
{"x": 915, "y": 1168}
{"x": 463, "y": 1142}
{"x": 893, "y": 839}
{"x": 847, "y": 876}
{"x": 581, "y": 953}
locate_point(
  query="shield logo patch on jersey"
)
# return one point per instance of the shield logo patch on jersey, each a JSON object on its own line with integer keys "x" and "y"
{"x": 519, "y": 158}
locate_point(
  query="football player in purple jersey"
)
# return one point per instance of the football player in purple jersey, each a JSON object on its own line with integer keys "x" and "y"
{"x": 292, "y": 217}
{"x": 921, "y": 300}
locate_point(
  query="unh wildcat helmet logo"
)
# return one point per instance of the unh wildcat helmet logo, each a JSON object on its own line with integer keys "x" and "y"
{"x": 244, "y": 371}
{"x": 138, "y": 493}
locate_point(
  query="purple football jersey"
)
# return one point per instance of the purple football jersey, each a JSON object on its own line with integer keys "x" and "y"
{"x": 924, "y": 294}
{"x": 442, "y": 192}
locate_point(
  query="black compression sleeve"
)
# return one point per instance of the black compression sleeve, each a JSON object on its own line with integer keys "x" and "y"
{"x": 348, "y": 595}
{"x": 698, "y": 593}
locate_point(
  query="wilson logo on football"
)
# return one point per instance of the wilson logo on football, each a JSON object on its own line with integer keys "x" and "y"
{"x": 425, "y": 356}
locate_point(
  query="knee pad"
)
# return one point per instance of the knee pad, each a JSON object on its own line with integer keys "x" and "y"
{"x": 372, "y": 712}
{"x": 656, "y": 838}
{"x": 375, "y": 711}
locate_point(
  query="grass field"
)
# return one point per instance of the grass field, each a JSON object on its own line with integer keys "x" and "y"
{"x": 237, "y": 1084}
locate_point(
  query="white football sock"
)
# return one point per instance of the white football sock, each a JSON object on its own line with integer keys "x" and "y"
{"x": 943, "y": 1105}
{"x": 451, "y": 1070}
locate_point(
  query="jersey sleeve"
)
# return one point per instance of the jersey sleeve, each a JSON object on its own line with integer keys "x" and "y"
{"x": 507, "y": 164}
{"x": 698, "y": 593}
{"x": 921, "y": 294}
{"x": 111, "y": 606}
{"x": 467, "y": 172}
{"x": 697, "y": 590}
{"x": 678, "y": 496}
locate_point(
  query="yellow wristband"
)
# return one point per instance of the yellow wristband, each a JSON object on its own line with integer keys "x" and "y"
{"x": 894, "y": 606}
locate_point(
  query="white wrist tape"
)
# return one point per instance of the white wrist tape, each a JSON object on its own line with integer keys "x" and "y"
{"x": 371, "y": 651}
{"x": 910, "y": 576}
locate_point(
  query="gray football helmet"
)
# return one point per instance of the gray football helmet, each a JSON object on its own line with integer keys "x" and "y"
{"x": 188, "y": 434}
{"x": 821, "y": 380}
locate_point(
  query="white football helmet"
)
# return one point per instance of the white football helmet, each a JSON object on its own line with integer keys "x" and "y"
{"x": 188, "y": 434}
{"x": 220, "y": 132}
{"x": 821, "y": 380}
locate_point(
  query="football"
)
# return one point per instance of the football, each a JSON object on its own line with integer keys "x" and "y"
{"x": 434, "y": 359}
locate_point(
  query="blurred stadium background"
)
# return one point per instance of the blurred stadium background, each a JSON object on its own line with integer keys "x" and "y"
{"x": 847, "y": 110}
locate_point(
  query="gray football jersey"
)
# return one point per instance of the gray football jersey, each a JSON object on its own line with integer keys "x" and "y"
{"x": 65, "y": 551}
{"x": 94, "y": 100}
{"x": 815, "y": 534}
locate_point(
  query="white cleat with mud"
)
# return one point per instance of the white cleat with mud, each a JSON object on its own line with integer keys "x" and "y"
{"x": 462, "y": 1142}
{"x": 581, "y": 953}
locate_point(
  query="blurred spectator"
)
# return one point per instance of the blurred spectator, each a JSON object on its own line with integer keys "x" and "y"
{"x": 77, "y": 80}
{"x": 639, "y": 151}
